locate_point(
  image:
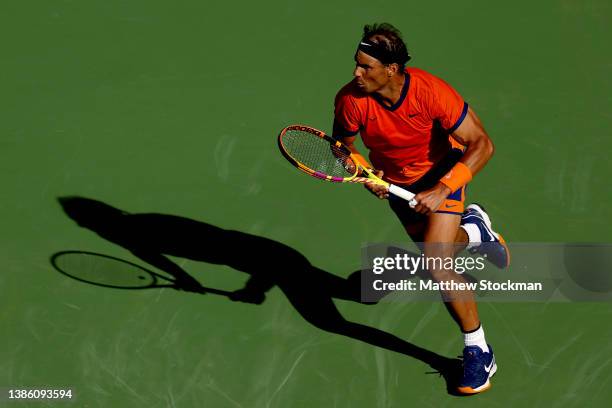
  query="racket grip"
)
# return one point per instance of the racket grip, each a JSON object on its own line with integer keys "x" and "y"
{"x": 401, "y": 193}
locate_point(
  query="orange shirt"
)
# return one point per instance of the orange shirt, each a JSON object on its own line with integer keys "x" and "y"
{"x": 408, "y": 138}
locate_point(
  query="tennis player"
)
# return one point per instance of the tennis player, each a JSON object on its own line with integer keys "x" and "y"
{"x": 423, "y": 136}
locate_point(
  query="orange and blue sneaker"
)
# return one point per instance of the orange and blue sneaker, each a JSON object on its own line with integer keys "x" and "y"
{"x": 478, "y": 368}
{"x": 483, "y": 240}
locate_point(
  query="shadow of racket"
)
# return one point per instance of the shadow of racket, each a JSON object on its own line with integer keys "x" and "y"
{"x": 110, "y": 272}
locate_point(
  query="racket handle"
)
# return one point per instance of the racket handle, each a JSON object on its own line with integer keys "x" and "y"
{"x": 401, "y": 193}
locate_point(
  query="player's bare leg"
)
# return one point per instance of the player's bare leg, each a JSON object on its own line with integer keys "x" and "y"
{"x": 416, "y": 231}
{"x": 441, "y": 232}
{"x": 478, "y": 359}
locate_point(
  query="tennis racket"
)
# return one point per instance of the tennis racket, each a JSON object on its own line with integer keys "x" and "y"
{"x": 110, "y": 272}
{"x": 320, "y": 156}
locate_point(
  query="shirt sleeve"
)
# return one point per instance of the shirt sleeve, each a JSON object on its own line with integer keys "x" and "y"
{"x": 346, "y": 116}
{"x": 446, "y": 105}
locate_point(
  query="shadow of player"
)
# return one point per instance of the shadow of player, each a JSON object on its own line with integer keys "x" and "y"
{"x": 152, "y": 237}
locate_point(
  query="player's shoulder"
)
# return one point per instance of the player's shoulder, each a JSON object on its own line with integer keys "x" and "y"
{"x": 419, "y": 78}
{"x": 425, "y": 85}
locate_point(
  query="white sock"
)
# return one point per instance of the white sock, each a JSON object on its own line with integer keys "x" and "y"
{"x": 476, "y": 338}
{"x": 473, "y": 234}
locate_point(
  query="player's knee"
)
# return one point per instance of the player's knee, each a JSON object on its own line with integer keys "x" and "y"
{"x": 441, "y": 275}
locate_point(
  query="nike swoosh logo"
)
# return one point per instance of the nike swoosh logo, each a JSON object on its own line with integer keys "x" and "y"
{"x": 488, "y": 369}
{"x": 450, "y": 206}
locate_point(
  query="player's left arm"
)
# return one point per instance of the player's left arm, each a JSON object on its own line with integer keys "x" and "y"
{"x": 479, "y": 149}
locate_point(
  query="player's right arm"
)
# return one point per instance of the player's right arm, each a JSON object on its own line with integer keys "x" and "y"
{"x": 182, "y": 279}
{"x": 347, "y": 124}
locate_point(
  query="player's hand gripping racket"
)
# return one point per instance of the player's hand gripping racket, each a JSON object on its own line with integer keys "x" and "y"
{"x": 318, "y": 155}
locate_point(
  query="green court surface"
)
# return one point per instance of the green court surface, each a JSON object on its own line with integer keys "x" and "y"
{"x": 172, "y": 108}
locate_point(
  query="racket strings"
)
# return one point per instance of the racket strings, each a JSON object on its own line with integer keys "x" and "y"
{"x": 318, "y": 154}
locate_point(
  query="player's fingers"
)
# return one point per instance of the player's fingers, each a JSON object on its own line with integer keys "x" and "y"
{"x": 421, "y": 208}
{"x": 419, "y": 205}
{"x": 376, "y": 188}
{"x": 370, "y": 186}
{"x": 427, "y": 208}
{"x": 372, "y": 189}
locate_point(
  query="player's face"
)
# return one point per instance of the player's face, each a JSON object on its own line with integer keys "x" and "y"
{"x": 370, "y": 74}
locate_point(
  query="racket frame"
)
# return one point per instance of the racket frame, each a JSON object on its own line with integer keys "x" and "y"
{"x": 156, "y": 277}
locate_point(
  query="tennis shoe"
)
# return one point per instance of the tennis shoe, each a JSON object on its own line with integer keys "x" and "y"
{"x": 478, "y": 368}
{"x": 491, "y": 244}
